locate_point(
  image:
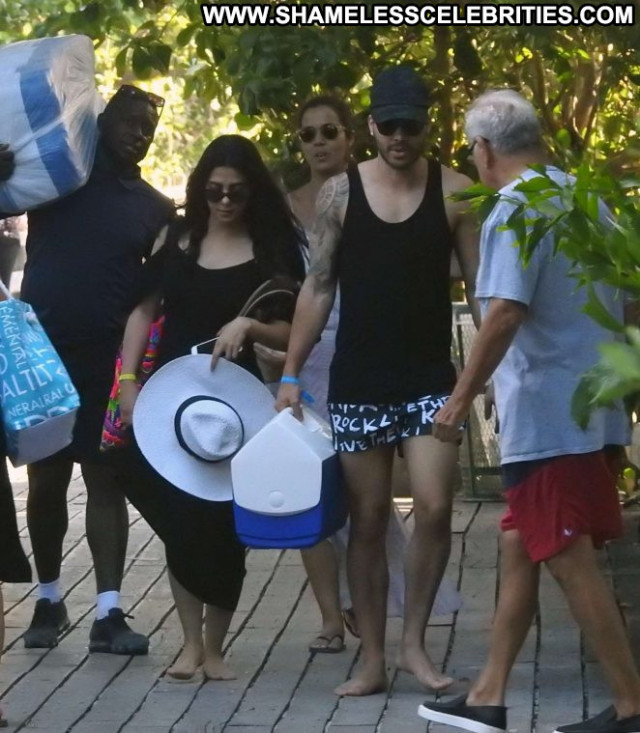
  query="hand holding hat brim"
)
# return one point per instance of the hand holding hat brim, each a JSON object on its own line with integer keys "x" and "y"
{"x": 161, "y": 400}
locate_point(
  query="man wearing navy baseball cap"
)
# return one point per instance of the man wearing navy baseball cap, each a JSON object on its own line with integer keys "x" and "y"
{"x": 386, "y": 230}
{"x": 399, "y": 93}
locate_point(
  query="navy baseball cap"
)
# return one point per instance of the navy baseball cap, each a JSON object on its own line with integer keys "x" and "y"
{"x": 399, "y": 93}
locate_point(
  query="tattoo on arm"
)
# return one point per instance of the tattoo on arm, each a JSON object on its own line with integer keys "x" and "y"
{"x": 326, "y": 232}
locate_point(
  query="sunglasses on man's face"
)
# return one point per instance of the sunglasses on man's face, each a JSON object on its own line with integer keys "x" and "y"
{"x": 131, "y": 92}
{"x": 408, "y": 127}
{"x": 328, "y": 131}
{"x": 474, "y": 142}
{"x": 237, "y": 194}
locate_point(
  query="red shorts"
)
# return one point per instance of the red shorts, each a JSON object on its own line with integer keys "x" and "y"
{"x": 555, "y": 500}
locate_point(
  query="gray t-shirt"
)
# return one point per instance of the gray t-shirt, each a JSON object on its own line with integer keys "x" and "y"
{"x": 554, "y": 346}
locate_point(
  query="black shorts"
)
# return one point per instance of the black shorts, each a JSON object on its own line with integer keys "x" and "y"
{"x": 362, "y": 427}
{"x": 91, "y": 366}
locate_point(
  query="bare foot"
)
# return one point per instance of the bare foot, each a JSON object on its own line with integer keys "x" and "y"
{"x": 215, "y": 668}
{"x": 187, "y": 663}
{"x": 418, "y": 664}
{"x": 364, "y": 683}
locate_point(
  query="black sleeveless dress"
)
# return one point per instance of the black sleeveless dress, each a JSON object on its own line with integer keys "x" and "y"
{"x": 202, "y": 550}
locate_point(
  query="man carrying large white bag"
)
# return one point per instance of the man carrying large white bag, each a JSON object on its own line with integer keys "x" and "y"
{"x": 84, "y": 252}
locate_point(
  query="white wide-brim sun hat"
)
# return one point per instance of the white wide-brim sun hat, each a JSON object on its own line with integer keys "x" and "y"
{"x": 189, "y": 421}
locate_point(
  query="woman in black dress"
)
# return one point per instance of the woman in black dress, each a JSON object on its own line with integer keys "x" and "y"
{"x": 14, "y": 566}
{"x": 236, "y": 233}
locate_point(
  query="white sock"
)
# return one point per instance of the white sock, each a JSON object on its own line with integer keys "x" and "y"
{"x": 50, "y": 591}
{"x": 106, "y": 601}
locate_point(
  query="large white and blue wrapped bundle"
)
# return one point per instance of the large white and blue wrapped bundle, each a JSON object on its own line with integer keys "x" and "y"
{"x": 48, "y": 110}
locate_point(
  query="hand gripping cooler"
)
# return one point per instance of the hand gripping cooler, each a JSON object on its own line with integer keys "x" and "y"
{"x": 287, "y": 485}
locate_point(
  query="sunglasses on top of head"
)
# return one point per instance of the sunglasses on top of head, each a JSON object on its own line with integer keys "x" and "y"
{"x": 408, "y": 127}
{"x": 329, "y": 131}
{"x": 131, "y": 92}
{"x": 238, "y": 194}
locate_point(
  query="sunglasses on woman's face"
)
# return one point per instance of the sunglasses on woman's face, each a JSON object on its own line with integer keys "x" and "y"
{"x": 328, "y": 131}
{"x": 412, "y": 128}
{"x": 237, "y": 193}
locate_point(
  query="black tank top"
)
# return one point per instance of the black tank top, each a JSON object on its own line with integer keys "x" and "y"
{"x": 394, "y": 337}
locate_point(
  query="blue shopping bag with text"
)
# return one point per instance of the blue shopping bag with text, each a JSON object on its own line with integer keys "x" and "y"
{"x": 38, "y": 399}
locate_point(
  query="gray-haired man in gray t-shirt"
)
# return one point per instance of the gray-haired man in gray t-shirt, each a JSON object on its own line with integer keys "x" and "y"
{"x": 559, "y": 480}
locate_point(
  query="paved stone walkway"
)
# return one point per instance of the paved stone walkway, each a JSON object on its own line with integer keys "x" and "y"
{"x": 281, "y": 687}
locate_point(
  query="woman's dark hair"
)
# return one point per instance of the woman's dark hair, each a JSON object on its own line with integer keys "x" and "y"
{"x": 337, "y": 105}
{"x": 270, "y": 224}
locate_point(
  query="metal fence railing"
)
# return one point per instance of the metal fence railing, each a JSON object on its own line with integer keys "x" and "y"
{"x": 479, "y": 453}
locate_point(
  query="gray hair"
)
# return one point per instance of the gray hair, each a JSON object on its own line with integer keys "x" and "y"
{"x": 506, "y": 119}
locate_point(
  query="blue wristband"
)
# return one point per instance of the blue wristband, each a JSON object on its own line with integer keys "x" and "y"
{"x": 307, "y": 397}
{"x": 295, "y": 380}
{"x": 289, "y": 380}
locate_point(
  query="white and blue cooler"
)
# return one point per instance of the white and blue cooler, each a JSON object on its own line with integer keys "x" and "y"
{"x": 287, "y": 484}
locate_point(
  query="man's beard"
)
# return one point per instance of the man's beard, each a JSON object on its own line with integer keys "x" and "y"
{"x": 414, "y": 156}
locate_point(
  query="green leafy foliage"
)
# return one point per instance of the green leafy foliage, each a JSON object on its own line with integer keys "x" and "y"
{"x": 615, "y": 377}
{"x": 584, "y": 81}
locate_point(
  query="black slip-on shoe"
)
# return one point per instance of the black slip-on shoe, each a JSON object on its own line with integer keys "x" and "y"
{"x": 474, "y": 718}
{"x": 605, "y": 722}
{"x": 112, "y": 635}
{"x": 48, "y": 622}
